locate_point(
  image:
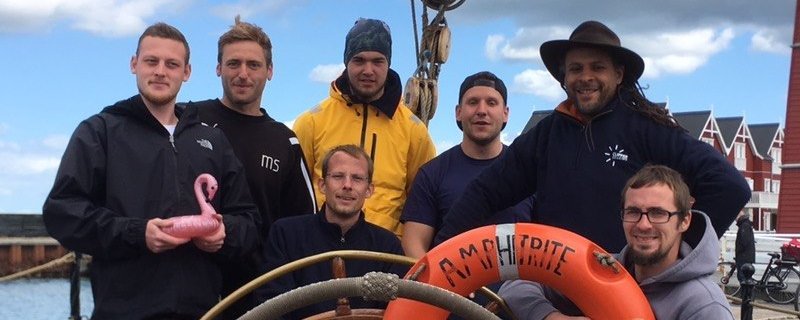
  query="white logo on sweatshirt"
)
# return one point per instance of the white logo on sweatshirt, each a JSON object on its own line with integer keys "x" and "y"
{"x": 205, "y": 144}
{"x": 615, "y": 154}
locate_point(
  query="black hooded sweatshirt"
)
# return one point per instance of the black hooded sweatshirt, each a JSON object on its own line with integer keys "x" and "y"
{"x": 123, "y": 168}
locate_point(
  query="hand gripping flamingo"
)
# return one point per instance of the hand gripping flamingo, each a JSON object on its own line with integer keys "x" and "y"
{"x": 190, "y": 226}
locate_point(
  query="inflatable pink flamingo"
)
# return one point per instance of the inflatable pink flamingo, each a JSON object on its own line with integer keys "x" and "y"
{"x": 205, "y": 223}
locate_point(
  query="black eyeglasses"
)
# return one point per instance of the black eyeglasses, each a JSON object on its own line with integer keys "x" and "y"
{"x": 654, "y": 215}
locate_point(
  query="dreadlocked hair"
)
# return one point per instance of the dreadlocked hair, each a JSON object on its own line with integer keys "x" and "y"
{"x": 633, "y": 97}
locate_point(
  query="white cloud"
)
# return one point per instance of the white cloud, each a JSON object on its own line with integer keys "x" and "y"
{"x": 24, "y": 158}
{"x": 524, "y": 45}
{"x": 679, "y": 52}
{"x": 290, "y": 123}
{"x": 112, "y": 18}
{"x": 769, "y": 41}
{"x": 539, "y": 83}
{"x": 326, "y": 73}
{"x": 23, "y": 15}
{"x": 27, "y": 164}
{"x": 664, "y": 52}
{"x": 27, "y": 171}
{"x": 520, "y": 53}
{"x": 56, "y": 142}
{"x": 493, "y": 42}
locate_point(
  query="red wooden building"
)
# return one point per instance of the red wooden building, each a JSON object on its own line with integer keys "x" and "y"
{"x": 789, "y": 219}
{"x": 750, "y": 148}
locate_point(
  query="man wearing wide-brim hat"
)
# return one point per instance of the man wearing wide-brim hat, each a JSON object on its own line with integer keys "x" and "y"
{"x": 577, "y": 159}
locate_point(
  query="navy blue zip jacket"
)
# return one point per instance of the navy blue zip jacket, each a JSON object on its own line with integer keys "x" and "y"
{"x": 297, "y": 237}
{"x": 123, "y": 168}
{"x": 577, "y": 170}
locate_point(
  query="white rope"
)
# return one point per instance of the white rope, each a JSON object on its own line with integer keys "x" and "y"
{"x": 66, "y": 259}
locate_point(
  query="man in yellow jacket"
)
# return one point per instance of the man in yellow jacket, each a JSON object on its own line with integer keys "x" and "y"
{"x": 364, "y": 108}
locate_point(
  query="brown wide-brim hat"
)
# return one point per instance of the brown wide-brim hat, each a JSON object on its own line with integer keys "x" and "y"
{"x": 591, "y": 34}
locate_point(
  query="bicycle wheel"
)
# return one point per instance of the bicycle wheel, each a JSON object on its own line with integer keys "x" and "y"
{"x": 796, "y": 300}
{"x": 727, "y": 279}
{"x": 782, "y": 284}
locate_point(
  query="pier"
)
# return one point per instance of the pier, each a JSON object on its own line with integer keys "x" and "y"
{"x": 24, "y": 244}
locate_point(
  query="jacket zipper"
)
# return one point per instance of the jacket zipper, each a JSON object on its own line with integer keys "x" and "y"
{"x": 374, "y": 146}
{"x": 175, "y": 165}
{"x": 364, "y": 115}
{"x": 172, "y": 142}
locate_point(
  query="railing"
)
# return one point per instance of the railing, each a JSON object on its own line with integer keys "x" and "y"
{"x": 766, "y": 242}
{"x": 763, "y": 199}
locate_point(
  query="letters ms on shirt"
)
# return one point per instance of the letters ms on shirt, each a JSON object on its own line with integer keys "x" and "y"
{"x": 270, "y": 163}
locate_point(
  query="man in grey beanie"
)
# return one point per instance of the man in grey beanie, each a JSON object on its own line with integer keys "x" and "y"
{"x": 364, "y": 108}
{"x": 368, "y": 35}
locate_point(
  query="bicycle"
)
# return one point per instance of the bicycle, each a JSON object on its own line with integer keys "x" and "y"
{"x": 780, "y": 280}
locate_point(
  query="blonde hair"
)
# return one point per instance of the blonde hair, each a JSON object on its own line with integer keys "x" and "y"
{"x": 244, "y": 31}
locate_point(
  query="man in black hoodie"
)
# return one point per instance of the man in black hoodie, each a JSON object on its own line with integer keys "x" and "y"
{"x": 131, "y": 167}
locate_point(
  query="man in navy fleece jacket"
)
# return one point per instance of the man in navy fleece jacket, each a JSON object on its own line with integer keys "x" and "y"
{"x": 578, "y": 158}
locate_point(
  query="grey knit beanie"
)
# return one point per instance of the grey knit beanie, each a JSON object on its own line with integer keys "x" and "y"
{"x": 368, "y": 35}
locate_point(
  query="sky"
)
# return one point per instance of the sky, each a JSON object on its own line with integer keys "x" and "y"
{"x": 64, "y": 60}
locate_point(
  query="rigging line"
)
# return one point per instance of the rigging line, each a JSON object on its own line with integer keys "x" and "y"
{"x": 440, "y": 15}
{"x": 416, "y": 36}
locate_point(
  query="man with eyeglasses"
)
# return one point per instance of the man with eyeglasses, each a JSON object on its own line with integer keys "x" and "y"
{"x": 671, "y": 251}
{"x": 346, "y": 182}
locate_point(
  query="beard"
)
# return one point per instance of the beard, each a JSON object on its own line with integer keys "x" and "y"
{"x": 241, "y": 99}
{"x": 368, "y": 95}
{"x": 157, "y": 99}
{"x": 592, "y": 108}
{"x": 644, "y": 259}
{"x": 343, "y": 212}
{"x": 588, "y": 109}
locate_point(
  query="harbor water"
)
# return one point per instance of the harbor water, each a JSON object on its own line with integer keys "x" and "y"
{"x": 41, "y": 299}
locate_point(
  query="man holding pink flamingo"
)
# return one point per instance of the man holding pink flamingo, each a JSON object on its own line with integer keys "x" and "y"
{"x": 130, "y": 168}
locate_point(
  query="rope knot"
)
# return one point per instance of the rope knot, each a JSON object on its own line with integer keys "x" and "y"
{"x": 607, "y": 260}
{"x": 379, "y": 286}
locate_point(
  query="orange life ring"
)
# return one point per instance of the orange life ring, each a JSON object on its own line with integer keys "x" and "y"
{"x": 555, "y": 257}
